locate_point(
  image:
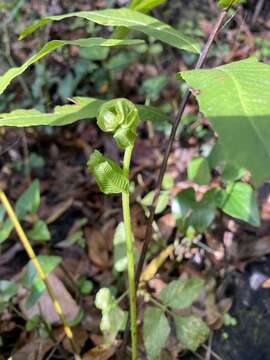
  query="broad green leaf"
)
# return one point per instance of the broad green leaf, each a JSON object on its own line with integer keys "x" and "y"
{"x": 29, "y": 201}
{"x": 131, "y": 19}
{"x": 180, "y": 294}
{"x": 229, "y": 172}
{"x": 109, "y": 176}
{"x": 198, "y": 170}
{"x": 83, "y": 108}
{"x": 191, "y": 331}
{"x": 39, "y": 232}
{"x": 113, "y": 317}
{"x": 198, "y": 214}
{"x": 240, "y": 202}
{"x": 236, "y": 98}
{"x": 119, "y": 249}
{"x": 6, "y": 78}
{"x": 156, "y": 330}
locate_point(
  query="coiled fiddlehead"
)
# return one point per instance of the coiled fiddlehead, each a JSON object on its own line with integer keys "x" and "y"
{"x": 119, "y": 116}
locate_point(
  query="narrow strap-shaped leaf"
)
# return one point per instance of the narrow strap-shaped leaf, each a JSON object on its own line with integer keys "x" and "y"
{"x": 84, "y": 108}
{"x": 109, "y": 176}
{"x": 131, "y": 19}
{"x": 6, "y": 78}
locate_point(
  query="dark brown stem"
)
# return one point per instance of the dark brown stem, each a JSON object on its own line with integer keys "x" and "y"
{"x": 200, "y": 62}
{"x": 176, "y": 123}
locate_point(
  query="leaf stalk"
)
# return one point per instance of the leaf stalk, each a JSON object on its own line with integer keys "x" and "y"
{"x": 130, "y": 257}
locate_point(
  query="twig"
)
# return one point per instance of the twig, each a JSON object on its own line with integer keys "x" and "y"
{"x": 40, "y": 271}
{"x": 148, "y": 233}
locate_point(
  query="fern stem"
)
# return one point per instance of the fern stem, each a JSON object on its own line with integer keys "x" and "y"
{"x": 130, "y": 256}
{"x": 30, "y": 251}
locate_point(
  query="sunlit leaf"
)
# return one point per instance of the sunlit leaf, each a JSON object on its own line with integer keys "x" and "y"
{"x": 83, "y": 108}
{"x": 108, "y": 174}
{"x": 235, "y": 98}
{"x": 131, "y": 19}
{"x": 240, "y": 202}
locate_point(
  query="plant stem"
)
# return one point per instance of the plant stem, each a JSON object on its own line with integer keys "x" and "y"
{"x": 176, "y": 123}
{"x": 130, "y": 257}
{"x": 30, "y": 251}
{"x": 199, "y": 64}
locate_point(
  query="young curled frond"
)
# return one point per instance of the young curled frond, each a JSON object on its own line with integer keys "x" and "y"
{"x": 121, "y": 117}
{"x": 109, "y": 176}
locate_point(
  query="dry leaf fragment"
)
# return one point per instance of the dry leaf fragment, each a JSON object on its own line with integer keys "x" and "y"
{"x": 101, "y": 352}
{"x": 97, "y": 248}
{"x": 46, "y": 307}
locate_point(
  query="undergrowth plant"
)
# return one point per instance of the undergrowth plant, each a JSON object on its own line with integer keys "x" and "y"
{"x": 234, "y": 97}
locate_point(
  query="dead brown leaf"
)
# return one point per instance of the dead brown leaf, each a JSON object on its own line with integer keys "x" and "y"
{"x": 97, "y": 248}
{"x": 34, "y": 350}
{"x": 101, "y": 352}
{"x": 45, "y": 306}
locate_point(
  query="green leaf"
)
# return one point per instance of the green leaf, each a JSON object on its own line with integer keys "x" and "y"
{"x": 119, "y": 116}
{"x": 198, "y": 170}
{"x": 191, "y": 331}
{"x": 227, "y": 3}
{"x": 131, "y": 19}
{"x": 113, "y": 317}
{"x": 31, "y": 279}
{"x": 156, "y": 330}
{"x": 103, "y": 298}
{"x": 180, "y": 294}
{"x": 40, "y": 231}
{"x": 240, "y": 202}
{"x": 33, "y": 323}
{"x": 235, "y": 98}
{"x": 167, "y": 182}
{"x": 5, "y": 230}
{"x": 29, "y": 201}
{"x": 162, "y": 203}
{"x": 188, "y": 212}
{"x": 7, "y": 290}
{"x": 145, "y": 6}
{"x": 109, "y": 176}
{"x": 119, "y": 249}
{"x": 85, "y": 286}
{"x": 83, "y": 108}
{"x": 6, "y": 78}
